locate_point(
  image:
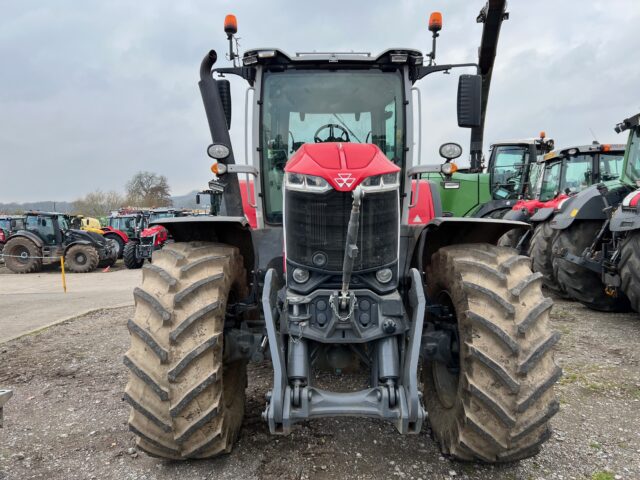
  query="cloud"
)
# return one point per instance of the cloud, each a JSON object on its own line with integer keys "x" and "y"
{"x": 92, "y": 92}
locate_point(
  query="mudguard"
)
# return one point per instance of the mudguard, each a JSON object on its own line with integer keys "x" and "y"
{"x": 588, "y": 204}
{"x": 84, "y": 242}
{"x": 520, "y": 215}
{"x": 120, "y": 233}
{"x": 487, "y": 209}
{"x": 428, "y": 204}
{"x": 30, "y": 235}
{"x": 542, "y": 215}
{"x": 441, "y": 232}
{"x": 625, "y": 220}
{"x": 230, "y": 230}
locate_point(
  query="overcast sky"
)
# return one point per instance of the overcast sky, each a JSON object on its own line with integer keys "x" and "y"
{"x": 93, "y": 91}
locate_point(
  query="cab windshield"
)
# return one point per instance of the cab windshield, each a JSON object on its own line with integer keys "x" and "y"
{"x": 63, "y": 223}
{"x": 509, "y": 163}
{"x": 633, "y": 162}
{"x": 155, "y": 216}
{"x": 611, "y": 166}
{"x": 550, "y": 185}
{"x": 312, "y": 106}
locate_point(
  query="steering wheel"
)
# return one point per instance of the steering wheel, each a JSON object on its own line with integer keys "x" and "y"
{"x": 344, "y": 135}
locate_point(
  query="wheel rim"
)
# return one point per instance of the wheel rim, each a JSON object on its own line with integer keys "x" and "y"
{"x": 446, "y": 378}
{"x": 81, "y": 258}
{"x": 22, "y": 254}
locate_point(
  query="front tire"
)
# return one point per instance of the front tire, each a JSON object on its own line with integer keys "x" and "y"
{"x": 187, "y": 400}
{"x": 629, "y": 268}
{"x": 582, "y": 284}
{"x": 22, "y": 255}
{"x": 494, "y": 402}
{"x": 130, "y": 255}
{"x": 81, "y": 258}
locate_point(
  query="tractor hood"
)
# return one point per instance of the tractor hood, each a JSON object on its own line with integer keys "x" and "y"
{"x": 343, "y": 165}
{"x": 84, "y": 235}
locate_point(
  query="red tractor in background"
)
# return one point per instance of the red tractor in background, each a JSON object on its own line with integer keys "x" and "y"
{"x": 151, "y": 238}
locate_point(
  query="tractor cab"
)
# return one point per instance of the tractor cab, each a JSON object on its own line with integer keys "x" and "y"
{"x": 513, "y": 168}
{"x": 571, "y": 170}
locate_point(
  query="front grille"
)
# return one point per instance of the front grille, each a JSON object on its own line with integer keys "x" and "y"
{"x": 317, "y": 223}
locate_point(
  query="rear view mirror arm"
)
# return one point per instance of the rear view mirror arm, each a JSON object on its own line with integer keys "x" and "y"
{"x": 423, "y": 71}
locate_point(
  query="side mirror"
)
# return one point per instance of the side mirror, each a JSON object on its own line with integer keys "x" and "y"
{"x": 224, "y": 89}
{"x": 469, "y": 101}
{"x": 198, "y": 199}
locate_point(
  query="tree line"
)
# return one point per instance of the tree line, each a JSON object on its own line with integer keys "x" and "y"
{"x": 145, "y": 189}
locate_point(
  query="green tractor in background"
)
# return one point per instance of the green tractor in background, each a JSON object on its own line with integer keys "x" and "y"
{"x": 512, "y": 172}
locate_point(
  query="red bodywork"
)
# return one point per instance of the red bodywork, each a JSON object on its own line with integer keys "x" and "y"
{"x": 343, "y": 165}
{"x": 249, "y": 211}
{"x": 159, "y": 231}
{"x": 424, "y": 210}
{"x": 532, "y": 206}
{"x": 120, "y": 233}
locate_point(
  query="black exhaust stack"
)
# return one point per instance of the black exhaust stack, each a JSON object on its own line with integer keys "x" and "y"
{"x": 217, "y": 119}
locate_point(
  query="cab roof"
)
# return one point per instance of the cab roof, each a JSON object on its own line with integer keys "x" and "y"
{"x": 395, "y": 56}
{"x": 593, "y": 148}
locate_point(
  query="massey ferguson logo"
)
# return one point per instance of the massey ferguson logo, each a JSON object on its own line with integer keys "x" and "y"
{"x": 344, "y": 179}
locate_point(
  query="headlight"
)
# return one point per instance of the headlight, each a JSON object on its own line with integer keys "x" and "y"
{"x": 377, "y": 183}
{"x": 300, "y": 275}
{"x": 218, "y": 151}
{"x": 298, "y": 181}
{"x": 385, "y": 275}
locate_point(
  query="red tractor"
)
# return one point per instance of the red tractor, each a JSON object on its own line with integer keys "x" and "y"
{"x": 151, "y": 238}
{"x": 335, "y": 277}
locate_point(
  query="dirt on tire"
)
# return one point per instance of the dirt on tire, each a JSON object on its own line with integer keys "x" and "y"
{"x": 18, "y": 246}
{"x": 496, "y": 406}
{"x": 81, "y": 258}
{"x": 187, "y": 402}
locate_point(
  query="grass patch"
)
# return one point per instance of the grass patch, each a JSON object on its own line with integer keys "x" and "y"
{"x": 602, "y": 476}
{"x": 595, "y": 445}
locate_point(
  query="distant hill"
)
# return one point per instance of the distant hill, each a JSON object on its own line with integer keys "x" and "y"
{"x": 47, "y": 206}
{"x": 186, "y": 201}
{"x": 179, "y": 201}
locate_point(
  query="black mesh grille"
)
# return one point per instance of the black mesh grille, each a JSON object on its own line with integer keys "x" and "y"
{"x": 317, "y": 222}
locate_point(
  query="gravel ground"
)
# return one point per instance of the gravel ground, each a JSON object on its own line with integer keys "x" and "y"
{"x": 67, "y": 419}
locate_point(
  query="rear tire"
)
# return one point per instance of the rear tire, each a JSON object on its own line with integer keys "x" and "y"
{"x": 130, "y": 255}
{"x": 118, "y": 239}
{"x": 582, "y": 284}
{"x": 629, "y": 268}
{"x": 541, "y": 253}
{"x": 81, "y": 258}
{"x": 187, "y": 401}
{"x": 496, "y": 406}
{"x": 511, "y": 238}
{"x": 17, "y": 247}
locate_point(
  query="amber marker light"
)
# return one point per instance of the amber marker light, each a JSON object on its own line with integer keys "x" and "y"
{"x": 435, "y": 22}
{"x": 230, "y": 24}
